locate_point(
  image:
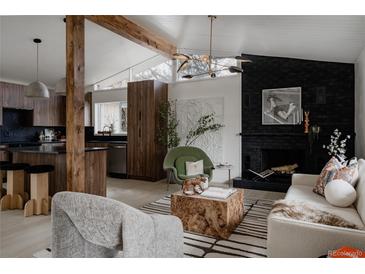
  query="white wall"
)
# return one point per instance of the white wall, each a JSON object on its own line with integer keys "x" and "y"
{"x": 230, "y": 89}
{"x": 360, "y": 105}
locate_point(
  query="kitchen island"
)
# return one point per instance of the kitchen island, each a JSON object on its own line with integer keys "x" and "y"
{"x": 95, "y": 166}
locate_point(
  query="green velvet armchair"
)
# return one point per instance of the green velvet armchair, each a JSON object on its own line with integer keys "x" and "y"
{"x": 174, "y": 163}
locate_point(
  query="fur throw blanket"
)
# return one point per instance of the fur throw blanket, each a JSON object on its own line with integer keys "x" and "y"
{"x": 305, "y": 212}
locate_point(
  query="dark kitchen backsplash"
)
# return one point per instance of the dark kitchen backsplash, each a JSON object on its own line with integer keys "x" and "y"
{"x": 31, "y": 134}
{"x": 24, "y": 134}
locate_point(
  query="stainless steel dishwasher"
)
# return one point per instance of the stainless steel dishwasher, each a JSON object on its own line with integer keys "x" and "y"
{"x": 117, "y": 160}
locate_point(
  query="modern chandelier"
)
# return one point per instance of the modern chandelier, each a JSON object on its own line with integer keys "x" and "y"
{"x": 187, "y": 59}
{"x": 37, "y": 89}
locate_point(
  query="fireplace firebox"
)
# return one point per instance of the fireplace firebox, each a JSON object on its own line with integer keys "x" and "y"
{"x": 279, "y": 157}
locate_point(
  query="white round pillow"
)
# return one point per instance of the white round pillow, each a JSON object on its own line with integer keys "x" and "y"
{"x": 340, "y": 193}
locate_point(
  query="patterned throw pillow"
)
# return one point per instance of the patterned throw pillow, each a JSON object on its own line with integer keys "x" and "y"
{"x": 327, "y": 174}
{"x": 349, "y": 173}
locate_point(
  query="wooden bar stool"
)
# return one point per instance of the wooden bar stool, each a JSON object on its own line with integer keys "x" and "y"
{"x": 39, "y": 202}
{"x": 15, "y": 196}
{"x": 2, "y": 177}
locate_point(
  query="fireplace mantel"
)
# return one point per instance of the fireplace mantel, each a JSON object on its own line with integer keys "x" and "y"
{"x": 257, "y": 133}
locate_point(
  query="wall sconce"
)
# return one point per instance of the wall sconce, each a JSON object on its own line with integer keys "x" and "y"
{"x": 313, "y": 136}
{"x": 315, "y": 129}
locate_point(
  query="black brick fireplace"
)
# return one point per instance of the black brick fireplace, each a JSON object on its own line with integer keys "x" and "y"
{"x": 327, "y": 92}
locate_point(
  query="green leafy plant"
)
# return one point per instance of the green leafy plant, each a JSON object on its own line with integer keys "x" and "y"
{"x": 167, "y": 131}
{"x": 206, "y": 123}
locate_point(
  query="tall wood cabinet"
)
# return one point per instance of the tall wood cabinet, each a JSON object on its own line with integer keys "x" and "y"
{"x": 145, "y": 154}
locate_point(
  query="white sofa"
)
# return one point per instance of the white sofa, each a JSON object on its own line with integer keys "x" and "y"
{"x": 299, "y": 239}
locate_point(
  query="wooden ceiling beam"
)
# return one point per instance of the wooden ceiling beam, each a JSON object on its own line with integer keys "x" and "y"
{"x": 131, "y": 31}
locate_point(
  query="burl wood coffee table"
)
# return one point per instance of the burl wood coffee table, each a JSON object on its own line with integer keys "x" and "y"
{"x": 214, "y": 217}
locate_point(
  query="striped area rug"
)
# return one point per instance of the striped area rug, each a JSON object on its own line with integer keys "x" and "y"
{"x": 248, "y": 240}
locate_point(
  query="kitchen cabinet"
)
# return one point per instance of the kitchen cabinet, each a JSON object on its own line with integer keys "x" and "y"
{"x": 13, "y": 95}
{"x": 50, "y": 112}
{"x": 56, "y": 110}
{"x": 97, "y": 144}
{"x": 46, "y": 112}
{"x": 41, "y": 112}
{"x": 28, "y": 103}
{"x": 4, "y": 154}
{"x": 145, "y": 154}
{"x": 95, "y": 161}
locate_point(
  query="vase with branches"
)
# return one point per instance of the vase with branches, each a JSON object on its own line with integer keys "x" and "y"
{"x": 337, "y": 147}
{"x": 205, "y": 123}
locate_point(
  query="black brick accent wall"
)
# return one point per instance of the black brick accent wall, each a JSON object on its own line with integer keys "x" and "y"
{"x": 327, "y": 92}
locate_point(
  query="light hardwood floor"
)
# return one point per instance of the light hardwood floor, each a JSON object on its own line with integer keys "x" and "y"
{"x": 22, "y": 237}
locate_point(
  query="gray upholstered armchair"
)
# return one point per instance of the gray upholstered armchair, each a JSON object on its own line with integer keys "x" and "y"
{"x": 90, "y": 226}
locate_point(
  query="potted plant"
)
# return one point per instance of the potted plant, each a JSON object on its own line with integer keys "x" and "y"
{"x": 167, "y": 132}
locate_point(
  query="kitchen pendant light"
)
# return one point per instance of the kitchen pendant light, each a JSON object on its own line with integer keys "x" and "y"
{"x": 37, "y": 89}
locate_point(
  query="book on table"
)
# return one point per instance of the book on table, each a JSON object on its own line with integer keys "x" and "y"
{"x": 218, "y": 193}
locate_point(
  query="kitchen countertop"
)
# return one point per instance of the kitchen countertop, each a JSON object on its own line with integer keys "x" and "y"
{"x": 30, "y": 143}
{"x": 108, "y": 142}
{"x": 50, "y": 149}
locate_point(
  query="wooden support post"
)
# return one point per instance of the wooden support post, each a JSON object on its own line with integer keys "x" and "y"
{"x": 75, "y": 131}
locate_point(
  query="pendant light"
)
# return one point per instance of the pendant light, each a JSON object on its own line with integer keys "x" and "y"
{"x": 37, "y": 89}
{"x": 208, "y": 59}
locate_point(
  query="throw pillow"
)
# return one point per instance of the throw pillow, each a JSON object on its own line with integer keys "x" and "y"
{"x": 180, "y": 164}
{"x": 327, "y": 174}
{"x": 340, "y": 193}
{"x": 194, "y": 168}
{"x": 349, "y": 174}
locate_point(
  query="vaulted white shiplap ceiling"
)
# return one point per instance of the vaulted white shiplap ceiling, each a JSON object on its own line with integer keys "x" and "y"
{"x": 326, "y": 38}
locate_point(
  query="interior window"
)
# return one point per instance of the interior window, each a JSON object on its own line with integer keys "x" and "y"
{"x": 111, "y": 116}
{"x": 162, "y": 72}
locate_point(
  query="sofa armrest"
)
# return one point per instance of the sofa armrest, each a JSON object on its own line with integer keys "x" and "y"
{"x": 304, "y": 179}
{"x": 300, "y": 239}
{"x": 169, "y": 234}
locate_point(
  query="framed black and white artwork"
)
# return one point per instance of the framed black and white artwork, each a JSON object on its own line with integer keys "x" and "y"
{"x": 282, "y": 106}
